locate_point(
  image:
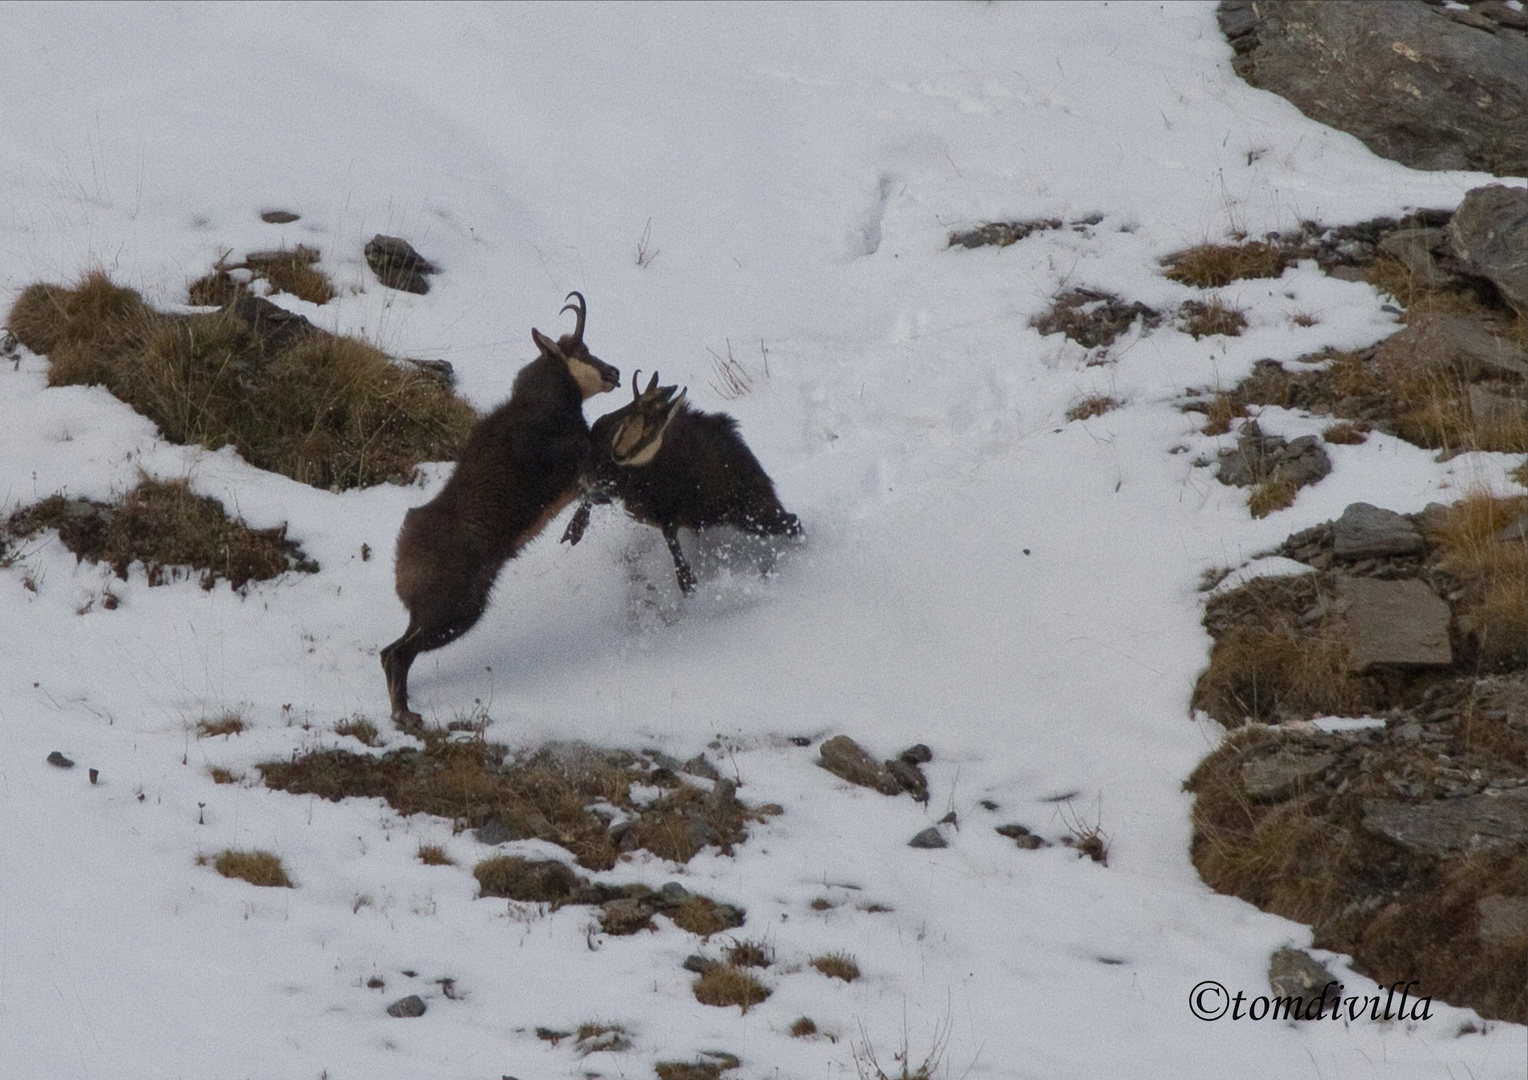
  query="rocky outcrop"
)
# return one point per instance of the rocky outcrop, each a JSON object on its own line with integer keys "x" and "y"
{"x": 1489, "y": 236}
{"x": 1432, "y": 87}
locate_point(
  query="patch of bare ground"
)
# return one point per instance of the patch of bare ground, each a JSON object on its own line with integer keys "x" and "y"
{"x": 1405, "y": 845}
{"x": 1093, "y": 318}
{"x": 172, "y": 532}
{"x": 323, "y": 409}
{"x": 288, "y": 270}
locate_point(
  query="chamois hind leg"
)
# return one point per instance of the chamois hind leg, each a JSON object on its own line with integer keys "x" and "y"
{"x": 682, "y": 569}
{"x": 438, "y": 624}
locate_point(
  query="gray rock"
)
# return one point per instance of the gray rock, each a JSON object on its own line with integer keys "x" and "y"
{"x": 917, "y": 754}
{"x": 1258, "y": 457}
{"x": 1414, "y": 248}
{"x": 698, "y": 964}
{"x": 1516, "y": 532}
{"x": 397, "y": 265}
{"x": 1393, "y": 623}
{"x": 413, "y": 1005}
{"x": 498, "y": 831}
{"x": 1443, "y": 827}
{"x": 1494, "y": 412}
{"x": 1503, "y": 919}
{"x": 1365, "y": 532}
{"x": 1489, "y": 235}
{"x": 1464, "y": 345}
{"x": 930, "y": 837}
{"x": 1282, "y": 774}
{"x": 1295, "y": 973}
{"x": 845, "y": 758}
{"x": 1403, "y": 77}
{"x": 910, "y": 777}
{"x": 58, "y": 760}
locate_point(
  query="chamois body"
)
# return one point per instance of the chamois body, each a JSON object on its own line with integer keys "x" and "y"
{"x": 675, "y": 467}
{"x": 518, "y": 469}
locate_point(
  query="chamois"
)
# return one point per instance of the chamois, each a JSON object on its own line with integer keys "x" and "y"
{"x": 673, "y": 466}
{"x": 518, "y": 469}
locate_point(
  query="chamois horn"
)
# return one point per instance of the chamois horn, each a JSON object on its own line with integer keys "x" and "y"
{"x": 579, "y": 310}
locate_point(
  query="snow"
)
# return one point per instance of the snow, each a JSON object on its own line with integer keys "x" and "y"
{"x": 1015, "y": 590}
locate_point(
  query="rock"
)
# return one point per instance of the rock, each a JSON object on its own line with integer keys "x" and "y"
{"x": 1295, "y": 973}
{"x": 620, "y": 918}
{"x": 58, "y": 760}
{"x": 279, "y": 217}
{"x": 498, "y": 831}
{"x": 1489, "y": 235}
{"x": 1364, "y": 531}
{"x": 1461, "y": 344}
{"x": 1444, "y": 827}
{"x": 1406, "y": 79}
{"x": 275, "y": 326}
{"x": 1516, "y": 532}
{"x": 1282, "y": 774}
{"x": 845, "y": 758}
{"x": 397, "y": 265}
{"x": 917, "y": 754}
{"x": 1393, "y": 623}
{"x": 413, "y": 1005}
{"x": 1013, "y": 832}
{"x": 698, "y": 964}
{"x": 1503, "y": 919}
{"x": 1414, "y": 248}
{"x": 1258, "y": 457}
{"x": 930, "y": 837}
{"x": 910, "y": 777}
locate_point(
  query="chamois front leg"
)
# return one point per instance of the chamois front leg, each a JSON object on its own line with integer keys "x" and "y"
{"x": 682, "y": 569}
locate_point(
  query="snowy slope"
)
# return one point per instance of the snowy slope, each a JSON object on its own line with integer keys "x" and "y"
{"x": 1015, "y": 590}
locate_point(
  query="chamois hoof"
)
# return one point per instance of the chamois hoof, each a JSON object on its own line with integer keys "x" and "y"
{"x": 408, "y": 722}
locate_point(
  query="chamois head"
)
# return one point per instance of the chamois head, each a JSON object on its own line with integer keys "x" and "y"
{"x": 592, "y": 374}
{"x": 636, "y": 432}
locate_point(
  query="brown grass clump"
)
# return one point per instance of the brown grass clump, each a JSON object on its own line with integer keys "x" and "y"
{"x": 166, "y": 528}
{"x": 1201, "y": 318}
{"x": 229, "y": 723}
{"x": 838, "y": 965}
{"x": 360, "y": 728}
{"x": 292, "y": 271}
{"x": 256, "y": 867}
{"x": 593, "y": 1037}
{"x": 1492, "y": 573}
{"x": 1520, "y": 474}
{"x": 1089, "y": 407}
{"x": 1275, "y": 493}
{"x": 1345, "y": 434}
{"x": 748, "y": 954}
{"x": 1264, "y": 663}
{"x": 434, "y": 855}
{"x": 687, "y": 1070}
{"x": 221, "y": 775}
{"x": 540, "y": 881}
{"x": 703, "y": 916}
{"x": 1093, "y": 318}
{"x": 1212, "y": 266}
{"x": 1220, "y": 411}
{"x": 322, "y": 409}
{"x": 802, "y": 1027}
{"x": 546, "y": 796}
{"x": 723, "y": 985}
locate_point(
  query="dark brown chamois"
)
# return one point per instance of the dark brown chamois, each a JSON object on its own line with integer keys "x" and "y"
{"x": 673, "y": 466}
{"x": 518, "y": 469}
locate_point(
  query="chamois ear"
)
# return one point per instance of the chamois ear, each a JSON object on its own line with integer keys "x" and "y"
{"x": 546, "y": 344}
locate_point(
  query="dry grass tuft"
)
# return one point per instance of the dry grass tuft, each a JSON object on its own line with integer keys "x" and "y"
{"x": 225, "y": 724}
{"x": 360, "y": 728}
{"x": 1265, "y": 663}
{"x": 256, "y": 867}
{"x": 594, "y": 1037}
{"x": 1220, "y": 411}
{"x": 1346, "y": 434}
{"x": 1093, "y": 318}
{"x": 1492, "y": 574}
{"x": 1204, "y": 318}
{"x": 703, "y": 916}
{"x": 837, "y": 965}
{"x": 723, "y": 985}
{"x": 1213, "y": 266}
{"x": 687, "y": 1070}
{"x": 1089, "y": 407}
{"x": 165, "y": 527}
{"x": 322, "y": 409}
{"x": 1520, "y": 474}
{"x": 1275, "y": 493}
{"x": 434, "y": 855}
{"x": 748, "y": 954}
{"x": 541, "y": 881}
{"x": 802, "y": 1027}
{"x": 293, "y": 271}
{"x": 221, "y": 775}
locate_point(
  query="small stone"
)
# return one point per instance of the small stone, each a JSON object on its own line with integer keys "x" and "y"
{"x": 279, "y": 217}
{"x": 929, "y": 838}
{"x": 1295, "y": 973}
{"x": 1030, "y": 843}
{"x": 59, "y": 760}
{"x": 917, "y": 754}
{"x": 700, "y": 766}
{"x": 910, "y": 777}
{"x": 1414, "y": 248}
{"x": 1013, "y": 832}
{"x": 674, "y": 893}
{"x": 698, "y": 964}
{"x": 95, "y": 774}
{"x": 397, "y": 265}
{"x": 413, "y": 1005}
{"x": 1282, "y": 774}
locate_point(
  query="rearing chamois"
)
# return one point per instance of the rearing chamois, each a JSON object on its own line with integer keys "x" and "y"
{"x": 518, "y": 469}
{"x": 673, "y": 466}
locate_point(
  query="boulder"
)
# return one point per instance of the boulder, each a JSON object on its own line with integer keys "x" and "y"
{"x": 1461, "y": 344}
{"x": 1258, "y": 457}
{"x": 1366, "y": 532}
{"x": 1430, "y": 87}
{"x": 1400, "y": 623}
{"x": 845, "y": 758}
{"x": 1446, "y": 827}
{"x": 397, "y": 265}
{"x": 1295, "y": 973}
{"x": 1488, "y": 234}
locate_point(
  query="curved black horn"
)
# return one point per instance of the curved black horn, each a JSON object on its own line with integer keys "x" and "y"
{"x": 578, "y": 309}
{"x": 651, "y": 386}
{"x": 635, "y": 377}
